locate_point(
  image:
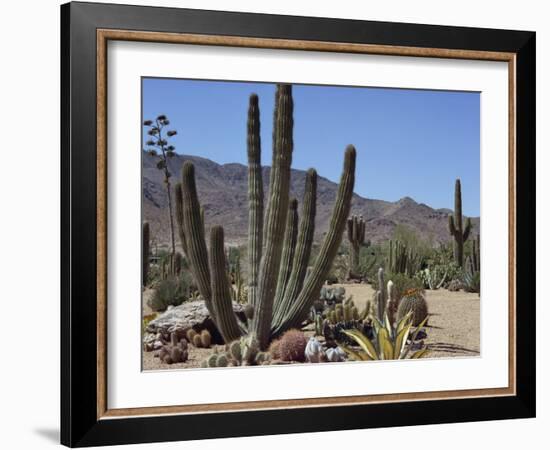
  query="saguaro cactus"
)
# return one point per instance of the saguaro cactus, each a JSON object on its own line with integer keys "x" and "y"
{"x": 356, "y": 238}
{"x": 459, "y": 233}
{"x": 282, "y": 294}
{"x": 145, "y": 253}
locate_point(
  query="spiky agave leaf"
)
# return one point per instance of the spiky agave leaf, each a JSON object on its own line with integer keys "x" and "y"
{"x": 364, "y": 342}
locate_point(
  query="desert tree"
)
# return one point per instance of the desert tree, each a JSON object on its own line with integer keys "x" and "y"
{"x": 157, "y": 145}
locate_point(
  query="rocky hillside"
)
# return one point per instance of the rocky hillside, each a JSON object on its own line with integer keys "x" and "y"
{"x": 223, "y": 194}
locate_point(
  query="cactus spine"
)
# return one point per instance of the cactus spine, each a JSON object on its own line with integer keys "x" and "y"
{"x": 356, "y": 237}
{"x": 456, "y": 230}
{"x": 255, "y": 198}
{"x": 145, "y": 253}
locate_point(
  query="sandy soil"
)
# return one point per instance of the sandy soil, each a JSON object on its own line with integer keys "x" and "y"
{"x": 453, "y": 327}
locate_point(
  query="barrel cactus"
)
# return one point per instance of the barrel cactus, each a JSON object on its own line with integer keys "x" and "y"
{"x": 279, "y": 244}
{"x": 414, "y": 301}
{"x": 292, "y": 346}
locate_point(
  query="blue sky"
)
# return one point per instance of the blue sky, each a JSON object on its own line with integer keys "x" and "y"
{"x": 409, "y": 142}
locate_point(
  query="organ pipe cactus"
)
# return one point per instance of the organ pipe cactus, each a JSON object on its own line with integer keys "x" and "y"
{"x": 278, "y": 289}
{"x": 458, "y": 232}
{"x": 356, "y": 237}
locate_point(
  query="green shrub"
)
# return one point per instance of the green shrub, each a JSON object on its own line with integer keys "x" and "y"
{"x": 171, "y": 291}
{"x": 403, "y": 283}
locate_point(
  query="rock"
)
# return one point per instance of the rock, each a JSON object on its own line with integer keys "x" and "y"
{"x": 179, "y": 319}
{"x": 455, "y": 285}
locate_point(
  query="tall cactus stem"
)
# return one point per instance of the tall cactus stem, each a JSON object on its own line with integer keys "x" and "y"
{"x": 356, "y": 238}
{"x": 178, "y": 196}
{"x": 289, "y": 247}
{"x": 457, "y": 231}
{"x": 194, "y": 234}
{"x": 382, "y": 298}
{"x": 220, "y": 288}
{"x": 275, "y": 217}
{"x": 255, "y": 198}
{"x": 327, "y": 253}
{"x": 303, "y": 247}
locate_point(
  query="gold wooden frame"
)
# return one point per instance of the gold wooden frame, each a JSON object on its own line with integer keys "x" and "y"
{"x": 104, "y": 35}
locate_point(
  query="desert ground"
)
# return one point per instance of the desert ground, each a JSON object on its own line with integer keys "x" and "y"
{"x": 453, "y": 328}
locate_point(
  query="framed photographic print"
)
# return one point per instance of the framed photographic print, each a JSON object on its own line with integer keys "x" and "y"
{"x": 277, "y": 224}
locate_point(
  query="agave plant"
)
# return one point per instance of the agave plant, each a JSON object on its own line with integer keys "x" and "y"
{"x": 388, "y": 342}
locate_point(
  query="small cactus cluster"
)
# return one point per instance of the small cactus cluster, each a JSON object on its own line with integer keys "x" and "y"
{"x": 345, "y": 312}
{"x": 175, "y": 351}
{"x": 171, "y": 266}
{"x": 413, "y": 301}
{"x": 402, "y": 259}
{"x": 334, "y": 333}
{"x": 242, "y": 352}
{"x": 315, "y": 353}
{"x": 199, "y": 340}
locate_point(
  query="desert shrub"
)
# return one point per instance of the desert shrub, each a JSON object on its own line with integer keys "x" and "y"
{"x": 370, "y": 259}
{"x": 403, "y": 283}
{"x": 171, "y": 291}
{"x": 439, "y": 275}
{"x": 339, "y": 270}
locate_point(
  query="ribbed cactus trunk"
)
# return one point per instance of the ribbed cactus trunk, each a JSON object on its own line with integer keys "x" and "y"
{"x": 209, "y": 277}
{"x": 459, "y": 233}
{"x": 289, "y": 248}
{"x": 145, "y": 253}
{"x": 381, "y": 296}
{"x": 193, "y": 230}
{"x": 356, "y": 238}
{"x": 303, "y": 249}
{"x": 276, "y": 213}
{"x": 178, "y": 196}
{"x": 255, "y": 198}
{"x": 220, "y": 288}
{"x": 300, "y": 307}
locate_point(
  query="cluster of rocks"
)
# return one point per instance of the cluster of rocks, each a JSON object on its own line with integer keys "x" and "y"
{"x": 177, "y": 320}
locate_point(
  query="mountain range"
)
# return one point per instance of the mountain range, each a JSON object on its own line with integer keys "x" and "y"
{"x": 223, "y": 194}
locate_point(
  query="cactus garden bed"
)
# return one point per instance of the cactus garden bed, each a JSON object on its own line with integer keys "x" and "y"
{"x": 452, "y": 330}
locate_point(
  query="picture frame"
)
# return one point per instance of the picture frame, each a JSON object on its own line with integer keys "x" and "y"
{"x": 86, "y": 418}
